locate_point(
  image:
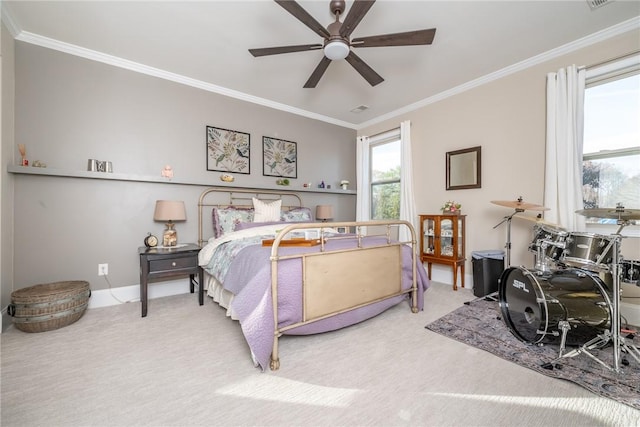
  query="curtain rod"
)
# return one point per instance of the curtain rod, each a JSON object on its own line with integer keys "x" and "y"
{"x": 389, "y": 131}
{"x": 597, "y": 64}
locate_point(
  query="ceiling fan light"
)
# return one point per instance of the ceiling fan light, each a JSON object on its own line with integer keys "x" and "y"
{"x": 336, "y": 49}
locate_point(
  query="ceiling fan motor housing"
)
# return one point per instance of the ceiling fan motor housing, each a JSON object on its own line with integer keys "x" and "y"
{"x": 336, "y": 47}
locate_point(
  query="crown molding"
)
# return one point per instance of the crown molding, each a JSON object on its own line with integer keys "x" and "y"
{"x": 616, "y": 30}
{"x": 18, "y": 34}
{"x": 35, "y": 39}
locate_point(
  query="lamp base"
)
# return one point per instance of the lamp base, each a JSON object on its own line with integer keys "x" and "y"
{"x": 170, "y": 236}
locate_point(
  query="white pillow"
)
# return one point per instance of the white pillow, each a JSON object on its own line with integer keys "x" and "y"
{"x": 266, "y": 212}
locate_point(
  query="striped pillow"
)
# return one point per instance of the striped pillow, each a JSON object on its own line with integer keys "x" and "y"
{"x": 266, "y": 212}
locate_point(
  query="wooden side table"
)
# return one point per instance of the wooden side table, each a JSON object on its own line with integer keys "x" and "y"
{"x": 161, "y": 263}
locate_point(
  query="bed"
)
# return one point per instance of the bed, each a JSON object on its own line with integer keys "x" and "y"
{"x": 278, "y": 272}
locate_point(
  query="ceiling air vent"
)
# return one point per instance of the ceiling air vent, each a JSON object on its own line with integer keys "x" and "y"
{"x": 594, "y": 4}
{"x": 359, "y": 109}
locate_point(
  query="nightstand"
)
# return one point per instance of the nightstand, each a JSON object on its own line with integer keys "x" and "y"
{"x": 161, "y": 263}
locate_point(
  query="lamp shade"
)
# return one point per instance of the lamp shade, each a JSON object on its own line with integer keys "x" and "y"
{"x": 324, "y": 212}
{"x": 169, "y": 210}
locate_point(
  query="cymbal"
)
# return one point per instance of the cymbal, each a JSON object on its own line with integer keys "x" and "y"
{"x": 613, "y": 213}
{"x": 537, "y": 220}
{"x": 519, "y": 204}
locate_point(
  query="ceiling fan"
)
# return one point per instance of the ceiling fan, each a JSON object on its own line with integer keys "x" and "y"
{"x": 336, "y": 39}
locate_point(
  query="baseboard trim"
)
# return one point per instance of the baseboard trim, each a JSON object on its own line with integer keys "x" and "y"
{"x": 127, "y": 294}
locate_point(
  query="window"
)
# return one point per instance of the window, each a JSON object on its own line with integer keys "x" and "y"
{"x": 611, "y": 151}
{"x": 385, "y": 157}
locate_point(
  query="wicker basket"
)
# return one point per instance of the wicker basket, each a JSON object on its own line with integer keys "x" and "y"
{"x": 49, "y": 306}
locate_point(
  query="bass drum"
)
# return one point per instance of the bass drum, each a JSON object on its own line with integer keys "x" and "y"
{"x": 533, "y": 305}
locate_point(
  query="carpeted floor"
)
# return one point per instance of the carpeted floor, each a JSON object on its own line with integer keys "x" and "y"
{"x": 479, "y": 324}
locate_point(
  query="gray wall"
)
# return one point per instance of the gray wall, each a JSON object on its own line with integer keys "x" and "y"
{"x": 69, "y": 109}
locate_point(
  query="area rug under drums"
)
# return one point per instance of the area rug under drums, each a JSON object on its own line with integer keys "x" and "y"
{"x": 479, "y": 324}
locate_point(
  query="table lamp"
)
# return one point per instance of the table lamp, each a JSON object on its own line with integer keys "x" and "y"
{"x": 169, "y": 211}
{"x": 324, "y": 212}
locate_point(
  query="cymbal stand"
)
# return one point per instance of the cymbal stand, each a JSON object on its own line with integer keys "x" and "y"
{"x": 508, "y": 244}
{"x": 618, "y": 341}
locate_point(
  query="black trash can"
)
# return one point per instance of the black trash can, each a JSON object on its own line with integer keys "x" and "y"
{"x": 487, "y": 269}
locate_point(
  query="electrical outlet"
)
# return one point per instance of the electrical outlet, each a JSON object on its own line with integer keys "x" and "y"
{"x": 103, "y": 269}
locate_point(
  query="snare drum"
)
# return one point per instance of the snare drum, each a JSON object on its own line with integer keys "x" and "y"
{"x": 630, "y": 271}
{"x": 544, "y": 233}
{"x": 588, "y": 250}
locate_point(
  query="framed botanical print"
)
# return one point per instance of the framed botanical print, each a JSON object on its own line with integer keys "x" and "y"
{"x": 279, "y": 158}
{"x": 228, "y": 150}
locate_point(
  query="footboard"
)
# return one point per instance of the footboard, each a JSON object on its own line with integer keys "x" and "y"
{"x": 337, "y": 281}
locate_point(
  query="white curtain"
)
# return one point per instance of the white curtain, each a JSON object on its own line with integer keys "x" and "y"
{"x": 363, "y": 199}
{"x": 407, "y": 202}
{"x": 563, "y": 166}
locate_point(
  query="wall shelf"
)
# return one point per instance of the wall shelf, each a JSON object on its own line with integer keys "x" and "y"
{"x": 30, "y": 170}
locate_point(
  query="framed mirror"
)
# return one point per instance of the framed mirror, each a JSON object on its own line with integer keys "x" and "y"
{"x": 464, "y": 169}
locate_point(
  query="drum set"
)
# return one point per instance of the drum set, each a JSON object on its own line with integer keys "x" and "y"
{"x": 572, "y": 295}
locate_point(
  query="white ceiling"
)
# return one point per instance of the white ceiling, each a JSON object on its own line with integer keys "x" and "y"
{"x": 205, "y": 43}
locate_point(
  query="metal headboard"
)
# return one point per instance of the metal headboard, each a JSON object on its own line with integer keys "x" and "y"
{"x": 239, "y": 197}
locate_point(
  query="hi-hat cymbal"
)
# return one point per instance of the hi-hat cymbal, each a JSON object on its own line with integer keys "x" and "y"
{"x": 537, "y": 220}
{"x": 519, "y": 204}
{"x": 612, "y": 213}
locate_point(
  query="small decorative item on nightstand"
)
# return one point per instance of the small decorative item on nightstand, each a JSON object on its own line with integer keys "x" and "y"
{"x": 169, "y": 211}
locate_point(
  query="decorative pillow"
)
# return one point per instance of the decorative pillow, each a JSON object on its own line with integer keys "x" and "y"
{"x": 226, "y": 219}
{"x": 266, "y": 212}
{"x": 297, "y": 215}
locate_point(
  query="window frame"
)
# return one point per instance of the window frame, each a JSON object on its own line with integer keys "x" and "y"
{"x": 596, "y": 76}
{"x": 377, "y": 141}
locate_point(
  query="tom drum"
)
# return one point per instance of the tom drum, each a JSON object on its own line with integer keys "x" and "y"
{"x": 544, "y": 233}
{"x": 588, "y": 250}
{"x": 532, "y": 305}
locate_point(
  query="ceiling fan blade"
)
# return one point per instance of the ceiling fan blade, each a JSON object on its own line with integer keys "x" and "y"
{"x": 358, "y": 9}
{"x": 410, "y": 38}
{"x": 303, "y": 16}
{"x": 365, "y": 71}
{"x": 317, "y": 73}
{"x": 284, "y": 49}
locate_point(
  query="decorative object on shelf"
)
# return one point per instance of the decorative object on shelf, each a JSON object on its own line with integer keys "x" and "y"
{"x": 150, "y": 241}
{"x": 39, "y": 164}
{"x": 279, "y": 158}
{"x": 344, "y": 184}
{"x": 324, "y": 212}
{"x": 451, "y": 208}
{"x": 321, "y": 185}
{"x": 94, "y": 165}
{"x": 167, "y": 172}
{"x": 228, "y": 150}
{"x": 23, "y": 155}
{"x": 169, "y": 211}
{"x": 226, "y": 177}
{"x": 283, "y": 181}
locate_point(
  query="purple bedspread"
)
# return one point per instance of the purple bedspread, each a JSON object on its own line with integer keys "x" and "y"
{"x": 249, "y": 279}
